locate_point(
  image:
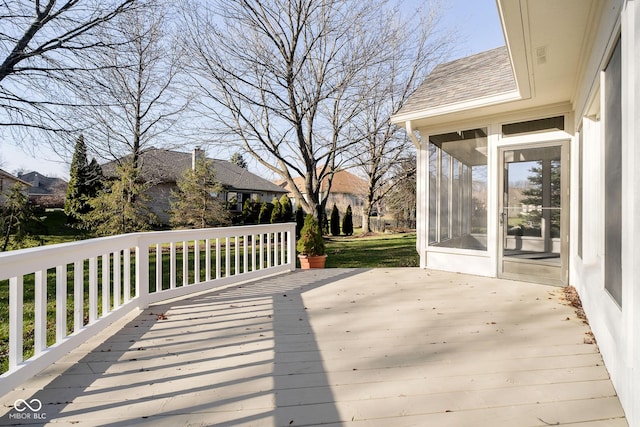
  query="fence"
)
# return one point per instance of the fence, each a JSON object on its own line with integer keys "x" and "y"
{"x": 68, "y": 292}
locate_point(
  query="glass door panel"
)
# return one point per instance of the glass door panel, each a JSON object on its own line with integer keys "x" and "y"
{"x": 532, "y": 214}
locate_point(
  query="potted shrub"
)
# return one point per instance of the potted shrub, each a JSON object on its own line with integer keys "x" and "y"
{"x": 311, "y": 245}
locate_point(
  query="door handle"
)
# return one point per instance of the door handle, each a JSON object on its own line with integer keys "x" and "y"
{"x": 502, "y": 215}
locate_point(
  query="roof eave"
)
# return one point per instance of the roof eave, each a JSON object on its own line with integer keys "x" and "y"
{"x": 460, "y": 107}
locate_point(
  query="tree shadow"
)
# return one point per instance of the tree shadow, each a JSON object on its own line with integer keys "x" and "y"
{"x": 232, "y": 356}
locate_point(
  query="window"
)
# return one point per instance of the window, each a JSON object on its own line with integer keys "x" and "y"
{"x": 613, "y": 175}
{"x": 531, "y": 126}
{"x": 458, "y": 189}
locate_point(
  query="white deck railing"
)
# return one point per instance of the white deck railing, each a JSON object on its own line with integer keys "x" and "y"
{"x": 98, "y": 281}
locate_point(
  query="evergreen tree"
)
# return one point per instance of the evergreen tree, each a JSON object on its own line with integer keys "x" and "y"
{"x": 276, "y": 212}
{"x": 264, "y": 217}
{"x": 335, "y": 221}
{"x": 325, "y": 222}
{"x": 77, "y": 201}
{"x": 250, "y": 211}
{"x": 193, "y": 205}
{"x": 95, "y": 178}
{"x": 120, "y": 207}
{"x": 238, "y": 160}
{"x": 299, "y": 220}
{"x": 532, "y": 196}
{"x": 347, "y": 222}
{"x": 16, "y": 216}
{"x": 287, "y": 209}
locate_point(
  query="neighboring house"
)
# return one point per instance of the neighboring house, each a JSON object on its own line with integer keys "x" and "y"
{"x": 346, "y": 189}
{"x": 163, "y": 168}
{"x": 7, "y": 181}
{"x": 45, "y": 192}
{"x": 558, "y": 107}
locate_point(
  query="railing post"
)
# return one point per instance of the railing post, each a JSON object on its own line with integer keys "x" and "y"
{"x": 142, "y": 275}
{"x": 291, "y": 252}
{"x": 16, "y": 292}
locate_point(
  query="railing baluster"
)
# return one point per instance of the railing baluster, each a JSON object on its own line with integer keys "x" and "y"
{"x": 172, "y": 265}
{"x": 253, "y": 252}
{"x": 117, "y": 286}
{"x": 283, "y": 247}
{"x": 261, "y": 243}
{"x": 269, "y": 258}
{"x": 196, "y": 261}
{"x": 207, "y": 258}
{"x": 93, "y": 289}
{"x": 126, "y": 255}
{"x": 61, "y": 302}
{"x": 227, "y": 257}
{"x": 106, "y": 285}
{"x": 158, "y": 267}
{"x": 78, "y": 295}
{"x": 185, "y": 263}
{"x": 236, "y": 269}
{"x": 218, "y": 262}
{"x": 40, "y": 320}
{"x": 245, "y": 254}
{"x": 16, "y": 320}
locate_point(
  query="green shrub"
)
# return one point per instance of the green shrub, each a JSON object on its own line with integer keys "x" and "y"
{"x": 311, "y": 242}
{"x": 335, "y": 221}
{"x": 347, "y": 222}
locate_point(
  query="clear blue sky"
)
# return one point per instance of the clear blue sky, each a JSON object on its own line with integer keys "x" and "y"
{"x": 476, "y": 22}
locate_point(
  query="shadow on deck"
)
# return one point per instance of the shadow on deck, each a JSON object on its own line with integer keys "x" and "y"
{"x": 337, "y": 347}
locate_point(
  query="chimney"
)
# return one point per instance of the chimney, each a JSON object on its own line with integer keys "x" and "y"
{"x": 198, "y": 153}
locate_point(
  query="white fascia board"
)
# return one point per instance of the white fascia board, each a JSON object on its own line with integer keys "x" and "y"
{"x": 457, "y": 108}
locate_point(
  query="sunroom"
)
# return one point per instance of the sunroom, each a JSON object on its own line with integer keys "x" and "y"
{"x": 527, "y": 164}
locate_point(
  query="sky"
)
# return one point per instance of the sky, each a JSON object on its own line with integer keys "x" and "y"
{"x": 476, "y": 22}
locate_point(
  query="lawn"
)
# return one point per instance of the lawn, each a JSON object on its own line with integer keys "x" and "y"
{"x": 376, "y": 251}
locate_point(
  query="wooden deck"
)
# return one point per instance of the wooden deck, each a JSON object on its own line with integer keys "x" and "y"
{"x": 338, "y": 347}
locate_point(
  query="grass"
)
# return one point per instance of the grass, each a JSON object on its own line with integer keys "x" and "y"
{"x": 377, "y": 251}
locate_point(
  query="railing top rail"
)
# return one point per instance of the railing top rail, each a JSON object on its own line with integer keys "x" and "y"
{"x": 20, "y": 262}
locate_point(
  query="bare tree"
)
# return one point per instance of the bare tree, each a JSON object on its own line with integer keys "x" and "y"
{"x": 414, "y": 47}
{"x": 400, "y": 201}
{"x": 278, "y": 76}
{"x": 43, "y": 46}
{"x": 135, "y": 97}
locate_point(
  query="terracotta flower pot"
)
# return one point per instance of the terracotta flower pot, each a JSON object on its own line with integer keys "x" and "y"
{"x": 316, "y": 261}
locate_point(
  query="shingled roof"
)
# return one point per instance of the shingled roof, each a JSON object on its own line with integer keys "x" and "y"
{"x": 343, "y": 182}
{"x": 42, "y": 185}
{"x": 167, "y": 166}
{"x": 478, "y": 76}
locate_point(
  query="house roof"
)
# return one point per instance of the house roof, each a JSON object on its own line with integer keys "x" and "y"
{"x": 344, "y": 182}
{"x": 482, "y": 75}
{"x": 5, "y": 174}
{"x": 547, "y": 44}
{"x": 43, "y": 185}
{"x": 167, "y": 166}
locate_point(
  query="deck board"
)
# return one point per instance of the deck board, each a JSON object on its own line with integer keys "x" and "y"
{"x": 339, "y": 347}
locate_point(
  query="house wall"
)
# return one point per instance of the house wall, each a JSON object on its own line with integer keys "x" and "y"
{"x": 616, "y": 326}
{"x": 160, "y": 200}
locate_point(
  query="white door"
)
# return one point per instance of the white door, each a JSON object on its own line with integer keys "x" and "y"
{"x": 534, "y": 196}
